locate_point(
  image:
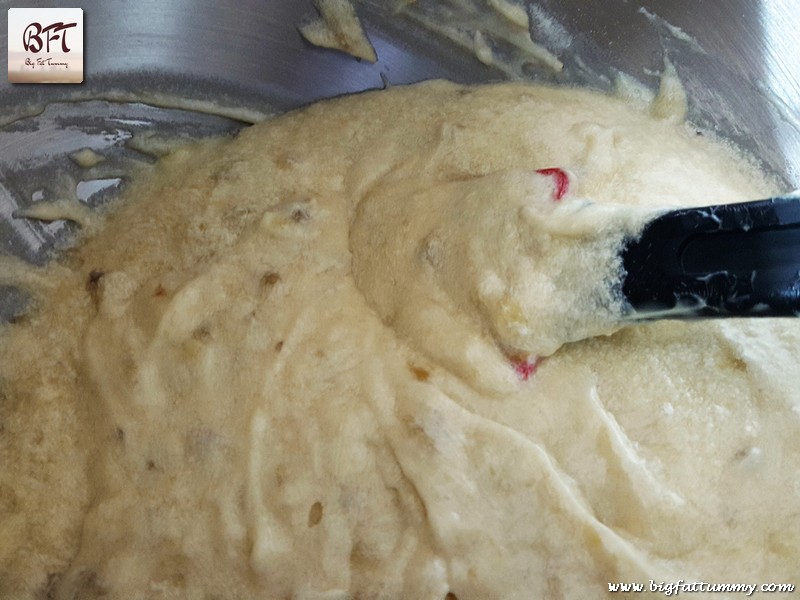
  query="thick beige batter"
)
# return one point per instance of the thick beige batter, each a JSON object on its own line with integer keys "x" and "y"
{"x": 293, "y": 365}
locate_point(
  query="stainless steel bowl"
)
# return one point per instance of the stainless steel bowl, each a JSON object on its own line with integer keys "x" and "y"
{"x": 738, "y": 59}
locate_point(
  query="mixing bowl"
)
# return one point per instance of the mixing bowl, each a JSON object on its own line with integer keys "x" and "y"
{"x": 160, "y": 70}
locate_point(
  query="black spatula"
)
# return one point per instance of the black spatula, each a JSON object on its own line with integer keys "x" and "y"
{"x": 717, "y": 261}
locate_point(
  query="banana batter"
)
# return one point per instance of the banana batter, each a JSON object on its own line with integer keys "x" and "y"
{"x": 341, "y": 356}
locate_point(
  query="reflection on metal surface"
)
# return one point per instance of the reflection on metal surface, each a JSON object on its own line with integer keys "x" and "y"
{"x": 37, "y": 156}
{"x": 782, "y": 60}
{"x": 782, "y": 83}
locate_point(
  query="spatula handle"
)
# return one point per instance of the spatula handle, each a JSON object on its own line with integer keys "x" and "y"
{"x": 722, "y": 260}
